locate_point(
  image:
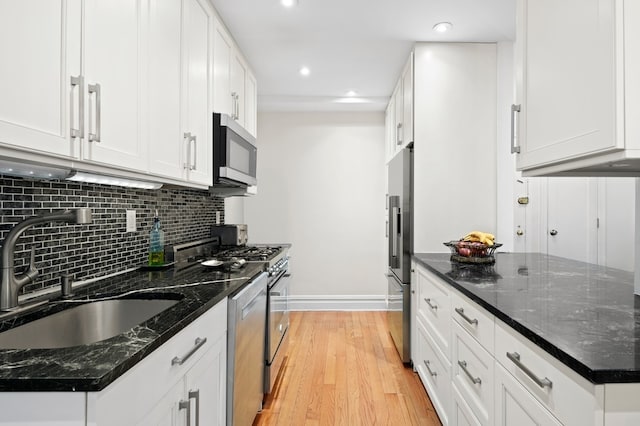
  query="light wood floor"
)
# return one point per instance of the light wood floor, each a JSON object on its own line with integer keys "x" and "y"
{"x": 342, "y": 369}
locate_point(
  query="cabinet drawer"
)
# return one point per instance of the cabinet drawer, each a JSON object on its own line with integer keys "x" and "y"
{"x": 461, "y": 414}
{"x": 472, "y": 369}
{"x": 156, "y": 374}
{"x": 568, "y": 396}
{"x": 475, "y": 320}
{"x": 434, "y": 371}
{"x": 434, "y": 307}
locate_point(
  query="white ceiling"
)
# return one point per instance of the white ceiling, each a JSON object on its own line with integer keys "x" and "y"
{"x": 358, "y": 45}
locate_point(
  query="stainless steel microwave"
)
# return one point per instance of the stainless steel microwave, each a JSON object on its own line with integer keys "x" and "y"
{"x": 235, "y": 154}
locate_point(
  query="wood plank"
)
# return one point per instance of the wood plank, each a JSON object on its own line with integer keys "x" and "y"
{"x": 343, "y": 369}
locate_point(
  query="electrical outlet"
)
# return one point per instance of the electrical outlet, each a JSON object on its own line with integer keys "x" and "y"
{"x": 131, "y": 221}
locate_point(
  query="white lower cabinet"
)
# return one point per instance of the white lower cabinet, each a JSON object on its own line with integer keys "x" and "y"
{"x": 493, "y": 375}
{"x": 185, "y": 376}
{"x": 200, "y": 395}
{"x": 434, "y": 371}
{"x": 514, "y": 405}
{"x": 472, "y": 373}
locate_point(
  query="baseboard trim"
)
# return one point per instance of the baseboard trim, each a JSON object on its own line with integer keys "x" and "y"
{"x": 338, "y": 303}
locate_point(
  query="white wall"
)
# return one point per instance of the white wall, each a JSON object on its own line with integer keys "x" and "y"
{"x": 321, "y": 187}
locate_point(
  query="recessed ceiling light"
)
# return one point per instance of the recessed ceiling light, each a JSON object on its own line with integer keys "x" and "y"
{"x": 442, "y": 27}
{"x": 305, "y": 71}
{"x": 351, "y": 93}
{"x": 288, "y": 3}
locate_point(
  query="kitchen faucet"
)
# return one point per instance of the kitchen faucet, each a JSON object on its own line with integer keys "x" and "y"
{"x": 10, "y": 283}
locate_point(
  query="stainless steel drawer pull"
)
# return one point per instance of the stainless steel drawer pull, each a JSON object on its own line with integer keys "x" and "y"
{"x": 432, "y": 373}
{"x": 515, "y": 149}
{"x": 475, "y": 380}
{"x": 181, "y": 360}
{"x": 186, "y": 405}
{"x": 95, "y": 89}
{"x": 543, "y": 383}
{"x": 195, "y": 394}
{"x": 431, "y": 305}
{"x": 79, "y": 132}
{"x": 460, "y": 311}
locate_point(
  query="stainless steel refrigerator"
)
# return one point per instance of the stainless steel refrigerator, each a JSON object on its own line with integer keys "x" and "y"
{"x": 400, "y": 236}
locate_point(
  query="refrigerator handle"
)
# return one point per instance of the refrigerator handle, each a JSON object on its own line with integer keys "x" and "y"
{"x": 393, "y": 230}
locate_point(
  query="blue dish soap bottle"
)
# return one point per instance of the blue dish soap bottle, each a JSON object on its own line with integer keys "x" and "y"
{"x": 156, "y": 243}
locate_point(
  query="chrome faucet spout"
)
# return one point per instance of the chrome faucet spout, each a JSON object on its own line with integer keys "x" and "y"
{"x": 11, "y": 284}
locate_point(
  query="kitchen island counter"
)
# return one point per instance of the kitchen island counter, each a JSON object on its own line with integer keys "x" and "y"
{"x": 584, "y": 315}
{"x": 94, "y": 366}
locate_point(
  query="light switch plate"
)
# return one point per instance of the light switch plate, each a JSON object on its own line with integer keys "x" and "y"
{"x": 131, "y": 221}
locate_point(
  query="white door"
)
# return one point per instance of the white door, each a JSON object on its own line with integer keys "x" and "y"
{"x": 566, "y": 81}
{"x": 572, "y": 218}
{"x": 40, "y": 51}
{"x": 238, "y": 76}
{"x": 514, "y": 405}
{"x": 167, "y": 412}
{"x": 166, "y": 142}
{"x": 616, "y": 211}
{"x": 198, "y": 118}
{"x": 251, "y": 105}
{"x": 206, "y": 386}
{"x": 113, "y": 46}
{"x": 222, "y": 48}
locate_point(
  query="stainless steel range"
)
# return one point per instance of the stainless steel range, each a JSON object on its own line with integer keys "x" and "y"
{"x": 272, "y": 342}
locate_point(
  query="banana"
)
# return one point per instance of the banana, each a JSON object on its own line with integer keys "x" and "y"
{"x": 480, "y": 237}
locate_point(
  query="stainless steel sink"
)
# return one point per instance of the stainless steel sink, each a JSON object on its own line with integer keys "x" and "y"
{"x": 83, "y": 324}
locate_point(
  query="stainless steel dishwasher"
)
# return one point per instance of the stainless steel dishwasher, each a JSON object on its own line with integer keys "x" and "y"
{"x": 245, "y": 352}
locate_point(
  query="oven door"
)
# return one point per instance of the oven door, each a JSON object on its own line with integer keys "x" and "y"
{"x": 278, "y": 314}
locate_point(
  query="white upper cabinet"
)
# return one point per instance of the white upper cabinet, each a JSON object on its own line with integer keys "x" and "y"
{"x": 180, "y": 89}
{"x": 234, "y": 90}
{"x": 578, "y": 87}
{"x": 113, "y": 52}
{"x": 197, "y": 90}
{"x": 400, "y": 111}
{"x": 36, "y": 90}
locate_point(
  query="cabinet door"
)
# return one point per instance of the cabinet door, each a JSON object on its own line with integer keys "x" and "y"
{"x": 238, "y": 76}
{"x": 251, "y": 104}
{"x": 198, "y": 119}
{"x": 206, "y": 386}
{"x": 390, "y": 125}
{"x": 222, "y": 48}
{"x": 407, "y": 102}
{"x": 515, "y": 406}
{"x": 566, "y": 80}
{"x": 40, "y": 50}
{"x": 113, "y": 52}
{"x": 167, "y": 412}
{"x": 166, "y": 141}
{"x": 399, "y": 115}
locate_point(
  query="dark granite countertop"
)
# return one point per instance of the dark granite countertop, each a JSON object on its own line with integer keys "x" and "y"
{"x": 584, "y": 315}
{"x": 92, "y": 367}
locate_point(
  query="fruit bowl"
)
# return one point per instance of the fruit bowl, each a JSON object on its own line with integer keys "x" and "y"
{"x": 472, "y": 251}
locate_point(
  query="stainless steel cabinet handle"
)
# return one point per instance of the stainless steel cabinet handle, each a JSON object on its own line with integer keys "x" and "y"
{"x": 186, "y": 405}
{"x": 475, "y": 380}
{"x": 194, "y": 152}
{"x": 398, "y": 130}
{"x": 553, "y": 232}
{"x": 235, "y": 114}
{"x": 460, "y": 311}
{"x": 95, "y": 89}
{"x": 181, "y": 360}
{"x": 196, "y": 395}
{"x": 428, "y": 365}
{"x": 543, "y": 383}
{"x": 515, "y": 109}
{"x": 432, "y": 306}
{"x": 187, "y": 138}
{"x": 79, "y": 132}
{"x": 237, "y": 106}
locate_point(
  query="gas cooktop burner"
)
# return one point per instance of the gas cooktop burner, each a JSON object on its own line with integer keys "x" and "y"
{"x": 249, "y": 253}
